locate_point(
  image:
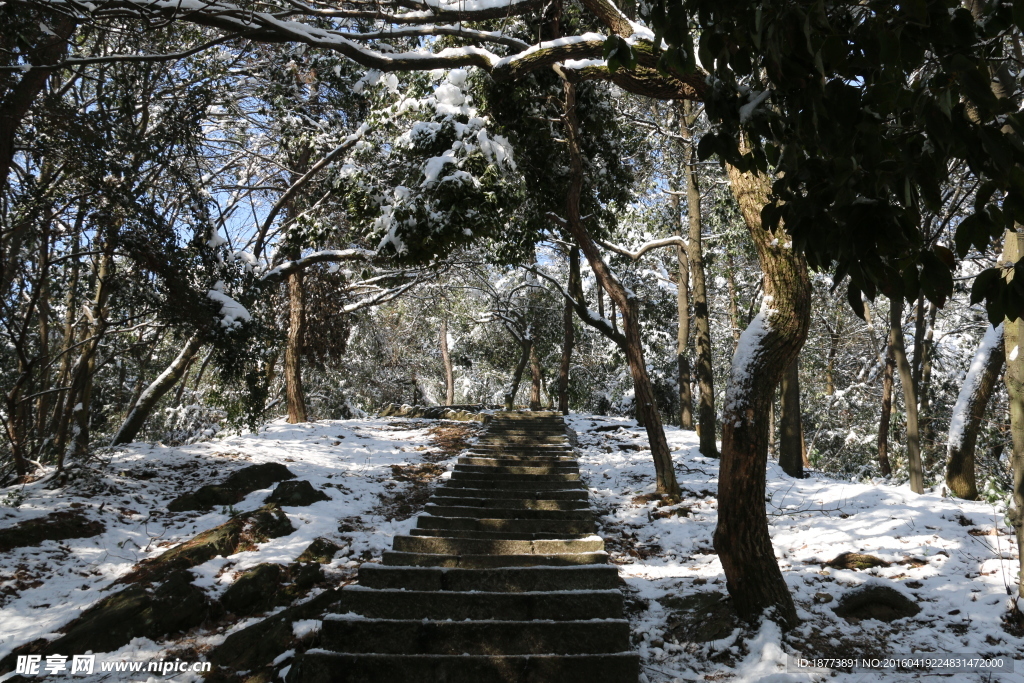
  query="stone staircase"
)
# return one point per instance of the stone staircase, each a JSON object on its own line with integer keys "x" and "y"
{"x": 502, "y": 581}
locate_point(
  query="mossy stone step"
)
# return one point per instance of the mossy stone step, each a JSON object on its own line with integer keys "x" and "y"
{"x": 479, "y": 512}
{"x": 473, "y": 546}
{"x": 496, "y": 535}
{"x": 577, "y": 494}
{"x": 517, "y": 461}
{"x": 547, "y": 605}
{"x": 489, "y": 474}
{"x": 479, "y": 482}
{"x": 525, "y": 468}
{"x": 502, "y": 579}
{"x": 396, "y": 558}
{"x": 511, "y": 525}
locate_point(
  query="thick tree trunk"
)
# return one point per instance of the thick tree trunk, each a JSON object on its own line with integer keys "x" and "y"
{"x": 791, "y": 433}
{"x": 155, "y": 391}
{"x": 909, "y": 397}
{"x": 767, "y": 348}
{"x": 446, "y": 359}
{"x": 646, "y": 407}
{"x": 701, "y": 316}
{"x": 1013, "y": 337}
{"x": 294, "y": 393}
{"x": 517, "y": 375}
{"x": 536, "y": 376}
{"x": 568, "y": 331}
{"x": 968, "y": 412}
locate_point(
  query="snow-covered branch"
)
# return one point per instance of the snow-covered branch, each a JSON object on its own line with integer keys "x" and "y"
{"x": 675, "y": 240}
{"x": 327, "y": 256}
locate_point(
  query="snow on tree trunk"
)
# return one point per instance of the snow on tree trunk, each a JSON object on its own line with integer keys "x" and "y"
{"x": 968, "y": 412}
{"x": 766, "y": 349}
{"x": 154, "y": 392}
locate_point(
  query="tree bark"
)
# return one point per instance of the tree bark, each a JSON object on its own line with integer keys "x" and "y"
{"x": 294, "y": 393}
{"x": 767, "y": 347}
{"x": 517, "y": 374}
{"x": 155, "y": 391}
{"x": 568, "y": 331}
{"x": 536, "y": 377}
{"x": 909, "y": 396}
{"x": 930, "y": 452}
{"x": 969, "y": 410}
{"x": 1013, "y": 337}
{"x": 683, "y": 341}
{"x": 705, "y": 362}
{"x": 883, "y": 421}
{"x": 646, "y": 407}
{"x": 446, "y": 359}
{"x": 790, "y": 425}
{"x": 734, "y": 309}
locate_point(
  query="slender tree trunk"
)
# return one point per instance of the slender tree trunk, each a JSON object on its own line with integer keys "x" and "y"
{"x": 909, "y": 397}
{"x": 683, "y": 340}
{"x": 931, "y": 453}
{"x": 1013, "y": 337}
{"x": 790, "y": 425}
{"x": 58, "y": 423}
{"x": 568, "y": 331}
{"x": 294, "y": 393}
{"x": 772, "y": 451}
{"x": 155, "y": 391}
{"x": 665, "y": 478}
{"x": 43, "y": 307}
{"x": 830, "y": 363}
{"x": 705, "y": 362}
{"x": 968, "y": 412}
{"x": 883, "y": 421}
{"x": 536, "y": 378}
{"x": 734, "y": 309}
{"x": 446, "y": 359}
{"x": 82, "y": 385}
{"x": 517, "y": 375}
{"x": 767, "y": 348}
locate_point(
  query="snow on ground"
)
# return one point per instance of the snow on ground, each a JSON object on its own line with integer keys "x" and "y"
{"x": 44, "y": 587}
{"x": 957, "y": 577}
{"x": 665, "y": 554}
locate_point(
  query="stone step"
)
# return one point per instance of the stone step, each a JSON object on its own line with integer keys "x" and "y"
{"x": 578, "y": 494}
{"x": 477, "y": 546}
{"x": 549, "y": 606}
{"x": 532, "y": 526}
{"x": 417, "y": 636}
{"x": 488, "y": 450}
{"x": 321, "y": 666}
{"x": 530, "y": 441}
{"x": 413, "y": 559}
{"x": 582, "y": 513}
{"x": 526, "y": 468}
{"x": 541, "y": 487}
{"x": 488, "y": 474}
{"x": 496, "y": 535}
{"x": 507, "y": 504}
{"x": 498, "y": 580}
{"x": 518, "y": 461}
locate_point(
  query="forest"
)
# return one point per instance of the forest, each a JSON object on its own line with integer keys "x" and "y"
{"x": 762, "y": 256}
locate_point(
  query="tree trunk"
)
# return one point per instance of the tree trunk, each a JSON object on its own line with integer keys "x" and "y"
{"x": 909, "y": 397}
{"x": 155, "y": 391}
{"x": 830, "y": 364}
{"x": 517, "y": 375}
{"x": 883, "y": 421}
{"x": 1013, "y": 336}
{"x": 927, "y": 420}
{"x": 767, "y": 348}
{"x": 647, "y": 409}
{"x": 683, "y": 340}
{"x": 790, "y": 425}
{"x": 536, "y": 377}
{"x": 968, "y": 412}
{"x": 734, "y": 309}
{"x": 568, "y": 331}
{"x": 705, "y": 362}
{"x": 294, "y": 394}
{"x": 446, "y": 359}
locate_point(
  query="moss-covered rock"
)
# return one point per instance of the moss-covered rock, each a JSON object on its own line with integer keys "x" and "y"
{"x": 321, "y": 550}
{"x": 296, "y": 493}
{"x": 700, "y": 617}
{"x": 254, "y": 591}
{"x": 856, "y": 561}
{"x": 56, "y": 526}
{"x": 233, "y": 489}
{"x": 875, "y": 602}
{"x": 242, "y": 532}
